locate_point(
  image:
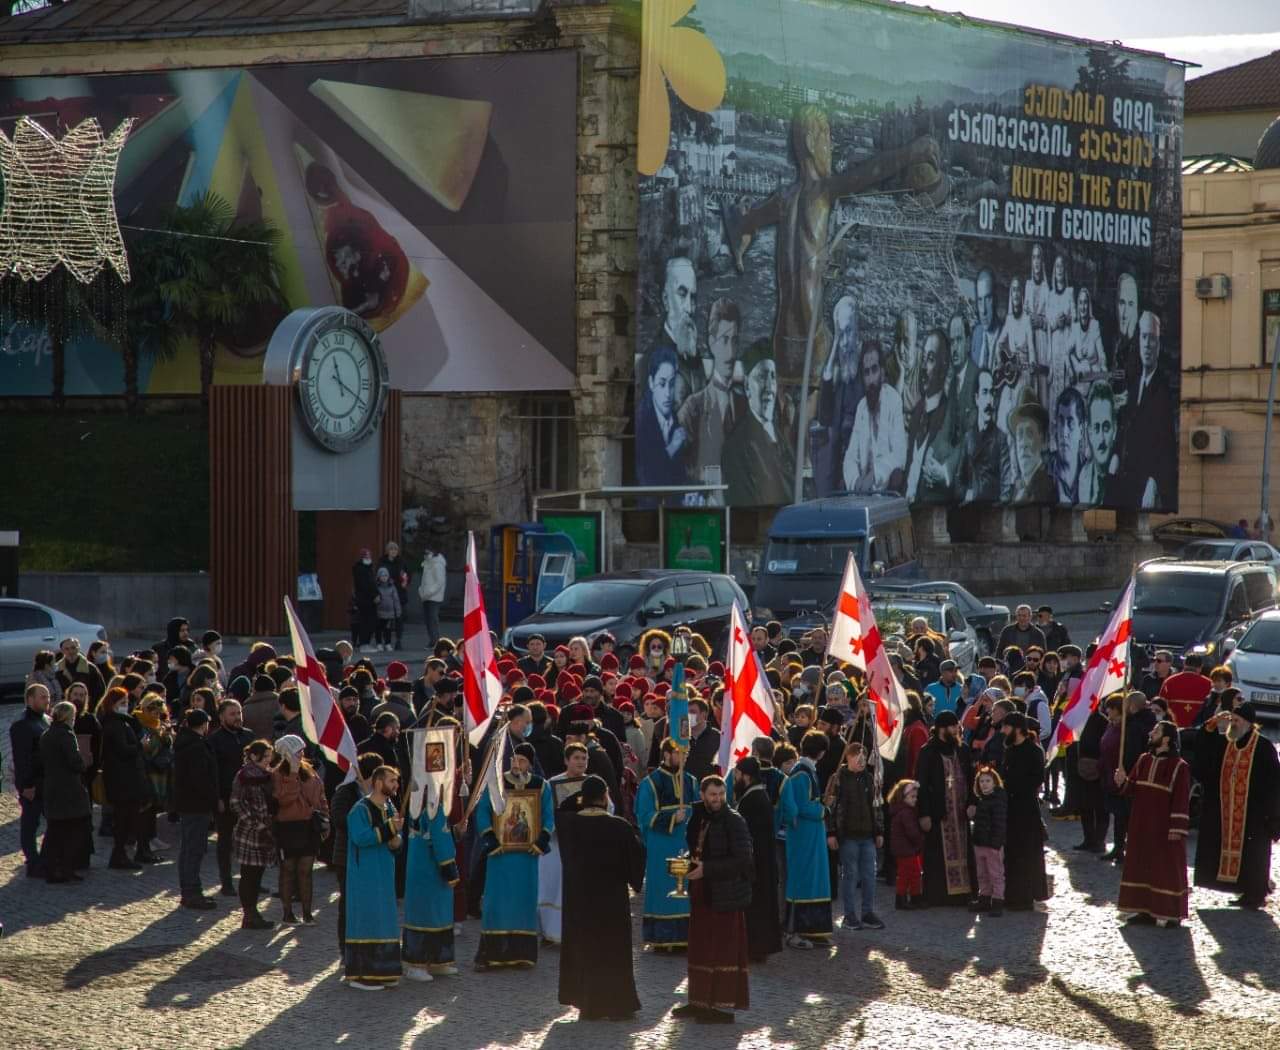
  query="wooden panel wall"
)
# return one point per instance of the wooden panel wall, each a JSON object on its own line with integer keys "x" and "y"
{"x": 253, "y": 535}
{"x": 341, "y": 533}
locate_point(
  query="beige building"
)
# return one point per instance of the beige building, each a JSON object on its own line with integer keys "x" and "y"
{"x": 1230, "y": 309}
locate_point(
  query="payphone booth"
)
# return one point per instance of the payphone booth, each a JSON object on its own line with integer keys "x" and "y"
{"x": 528, "y": 566}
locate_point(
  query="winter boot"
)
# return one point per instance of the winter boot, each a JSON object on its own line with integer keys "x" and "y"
{"x": 997, "y": 908}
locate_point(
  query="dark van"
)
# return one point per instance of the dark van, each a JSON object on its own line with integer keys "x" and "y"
{"x": 809, "y": 543}
{"x": 1186, "y": 605}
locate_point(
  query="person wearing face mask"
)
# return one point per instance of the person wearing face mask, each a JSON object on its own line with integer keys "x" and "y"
{"x": 1240, "y": 813}
{"x": 364, "y": 600}
{"x": 1153, "y": 886}
{"x": 1027, "y": 690}
{"x": 74, "y": 667}
{"x": 211, "y": 650}
{"x": 125, "y": 780}
{"x": 704, "y": 741}
{"x": 100, "y": 656}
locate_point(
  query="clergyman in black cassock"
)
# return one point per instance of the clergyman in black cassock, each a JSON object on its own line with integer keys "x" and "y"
{"x": 764, "y": 927}
{"x": 602, "y": 856}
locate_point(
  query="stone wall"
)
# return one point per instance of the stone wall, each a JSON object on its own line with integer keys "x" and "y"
{"x": 1004, "y": 568}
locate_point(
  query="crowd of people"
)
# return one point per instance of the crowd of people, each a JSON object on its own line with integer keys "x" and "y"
{"x": 591, "y": 797}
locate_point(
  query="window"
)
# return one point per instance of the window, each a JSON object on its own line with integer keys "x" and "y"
{"x": 693, "y": 597}
{"x": 553, "y": 443}
{"x": 955, "y": 622}
{"x": 723, "y": 592}
{"x": 1238, "y": 603}
{"x": 1270, "y": 323}
{"x": 1260, "y": 590}
{"x": 24, "y": 618}
{"x": 664, "y": 599}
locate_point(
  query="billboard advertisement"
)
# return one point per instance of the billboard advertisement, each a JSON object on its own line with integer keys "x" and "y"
{"x": 433, "y": 196}
{"x": 895, "y": 251}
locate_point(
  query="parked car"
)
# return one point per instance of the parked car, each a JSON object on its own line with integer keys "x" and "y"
{"x": 894, "y": 611}
{"x": 1255, "y": 664}
{"x": 1185, "y": 605}
{"x": 987, "y": 620}
{"x": 1231, "y": 550}
{"x": 1177, "y": 532}
{"x": 27, "y": 627}
{"x": 626, "y": 604}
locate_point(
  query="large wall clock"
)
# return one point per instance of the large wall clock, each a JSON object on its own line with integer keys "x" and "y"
{"x": 341, "y": 380}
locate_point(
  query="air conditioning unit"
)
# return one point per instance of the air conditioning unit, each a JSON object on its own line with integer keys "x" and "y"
{"x": 1215, "y": 286}
{"x": 1208, "y": 441}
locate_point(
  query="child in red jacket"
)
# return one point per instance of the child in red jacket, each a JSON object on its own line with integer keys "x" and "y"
{"x": 906, "y": 839}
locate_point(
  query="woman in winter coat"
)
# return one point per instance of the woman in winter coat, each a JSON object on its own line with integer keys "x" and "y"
{"x": 124, "y": 776}
{"x": 87, "y": 732}
{"x": 252, "y": 842}
{"x": 299, "y": 793}
{"x": 66, "y": 801}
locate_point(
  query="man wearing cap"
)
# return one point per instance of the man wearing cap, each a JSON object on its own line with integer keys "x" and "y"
{"x": 1240, "y": 814}
{"x": 602, "y": 859}
{"x": 398, "y": 701}
{"x": 945, "y": 773}
{"x": 758, "y": 462}
{"x": 536, "y": 660}
{"x": 663, "y": 806}
{"x": 1154, "y": 883}
{"x": 1055, "y": 634}
{"x": 1022, "y": 769}
{"x": 946, "y": 691}
{"x": 509, "y": 930}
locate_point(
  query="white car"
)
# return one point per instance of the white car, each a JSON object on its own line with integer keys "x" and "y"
{"x": 26, "y": 628}
{"x": 1255, "y": 664}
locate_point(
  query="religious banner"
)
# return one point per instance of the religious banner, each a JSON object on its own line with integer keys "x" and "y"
{"x": 883, "y": 250}
{"x": 433, "y": 751}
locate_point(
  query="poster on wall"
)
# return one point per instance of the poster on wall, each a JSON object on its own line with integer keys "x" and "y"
{"x": 909, "y": 253}
{"x": 435, "y": 197}
{"x": 694, "y": 539}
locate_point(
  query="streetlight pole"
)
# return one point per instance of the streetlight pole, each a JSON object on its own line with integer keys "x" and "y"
{"x": 1264, "y": 516}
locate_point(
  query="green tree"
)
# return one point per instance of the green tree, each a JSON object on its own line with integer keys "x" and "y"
{"x": 201, "y": 276}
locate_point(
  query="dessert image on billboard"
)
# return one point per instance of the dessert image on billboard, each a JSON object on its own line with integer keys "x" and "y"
{"x": 370, "y": 273}
{"x": 436, "y": 141}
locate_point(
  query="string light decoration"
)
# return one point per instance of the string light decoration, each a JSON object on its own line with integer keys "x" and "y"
{"x": 59, "y": 201}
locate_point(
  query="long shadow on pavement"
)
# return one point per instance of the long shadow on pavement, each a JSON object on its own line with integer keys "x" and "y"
{"x": 1248, "y": 945}
{"x": 1167, "y": 965}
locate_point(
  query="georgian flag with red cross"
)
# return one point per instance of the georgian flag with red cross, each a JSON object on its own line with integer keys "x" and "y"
{"x": 1107, "y": 671}
{"x": 855, "y": 639}
{"x": 322, "y": 721}
{"x": 481, "y": 686}
{"x": 748, "y": 702}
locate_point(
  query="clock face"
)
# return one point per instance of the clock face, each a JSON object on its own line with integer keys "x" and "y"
{"x": 342, "y": 387}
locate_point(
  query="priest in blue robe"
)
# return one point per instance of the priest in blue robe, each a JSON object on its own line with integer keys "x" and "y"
{"x": 372, "y": 953}
{"x": 662, "y": 816}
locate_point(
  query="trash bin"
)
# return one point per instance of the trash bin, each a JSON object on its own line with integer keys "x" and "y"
{"x": 9, "y": 564}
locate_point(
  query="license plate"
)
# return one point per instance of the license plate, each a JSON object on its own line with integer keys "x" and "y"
{"x": 1265, "y": 698}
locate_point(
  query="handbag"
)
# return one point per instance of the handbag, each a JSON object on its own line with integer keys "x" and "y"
{"x": 320, "y": 825}
{"x": 1087, "y": 768}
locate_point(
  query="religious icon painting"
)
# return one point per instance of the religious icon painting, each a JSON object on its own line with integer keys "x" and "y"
{"x": 566, "y": 789}
{"x": 437, "y": 759}
{"x": 518, "y": 826}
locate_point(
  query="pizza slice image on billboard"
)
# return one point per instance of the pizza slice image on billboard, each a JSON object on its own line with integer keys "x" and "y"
{"x": 436, "y": 141}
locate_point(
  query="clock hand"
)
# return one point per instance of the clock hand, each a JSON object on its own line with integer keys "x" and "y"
{"x": 338, "y": 376}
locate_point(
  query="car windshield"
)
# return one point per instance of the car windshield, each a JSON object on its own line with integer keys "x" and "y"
{"x": 895, "y": 619}
{"x": 811, "y": 557}
{"x": 1208, "y": 551}
{"x": 596, "y": 598}
{"x": 1178, "y": 593}
{"x": 1262, "y": 637}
